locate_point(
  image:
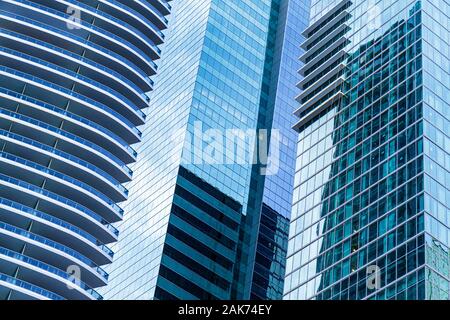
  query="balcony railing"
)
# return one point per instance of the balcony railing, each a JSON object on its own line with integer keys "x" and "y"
{"x": 58, "y": 222}
{"x": 61, "y": 176}
{"x": 68, "y": 135}
{"x": 51, "y": 269}
{"x": 58, "y": 198}
{"x": 60, "y": 153}
{"x": 55, "y": 245}
{"x": 30, "y": 287}
{"x": 69, "y": 115}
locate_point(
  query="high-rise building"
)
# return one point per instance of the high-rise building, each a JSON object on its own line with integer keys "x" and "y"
{"x": 205, "y": 221}
{"x": 370, "y": 217}
{"x": 270, "y": 260}
{"x": 73, "y": 82}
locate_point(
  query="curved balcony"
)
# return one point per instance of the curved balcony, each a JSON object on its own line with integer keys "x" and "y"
{"x": 100, "y": 36}
{"x": 46, "y": 275}
{"x": 63, "y": 184}
{"x": 58, "y": 206}
{"x": 81, "y": 104}
{"x": 90, "y": 71}
{"x": 92, "y": 89}
{"x": 163, "y": 5}
{"x": 151, "y": 8}
{"x": 65, "y": 39}
{"x": 72, "y": 93}
{"x": 51, "y": 226}
{"x": 15, "y": 289}
{"x": 109, "y": 23}
{"x": 56, "y": 230}
{"x": 112, "y": 215}
{"x": 63, "y": 162}
{"x": 68, "y": 142}
{"x": 105, "y": 74}
{"x": 134, "y": 18}
{"x": 51, "y": 252}
{"x": 85, "y": 128}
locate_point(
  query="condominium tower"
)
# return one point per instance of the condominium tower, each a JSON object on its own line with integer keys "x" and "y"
{"x": 204, "y": 220}
{"x": 73, "y": 82}
{"x": 371, "y": 210}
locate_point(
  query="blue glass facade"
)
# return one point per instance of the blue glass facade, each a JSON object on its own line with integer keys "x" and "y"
{"x": 366, "y": 221}
{"x": 193, "y": 231}
{"x": 74, "y": 78}
{"x": 293, "y": 19}
{"x": 269, "y": 265}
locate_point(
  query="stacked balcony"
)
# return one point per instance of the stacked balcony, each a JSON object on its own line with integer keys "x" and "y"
{"x": 323, "y": 64}
{"x": 74, "y": 78}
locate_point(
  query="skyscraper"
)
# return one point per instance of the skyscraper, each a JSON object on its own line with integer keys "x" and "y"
{"x": 370, "y": 218}
{"x": 73, "y": 78}
{"x": 270, "y": 260}
{"x": 202, "y": 224}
